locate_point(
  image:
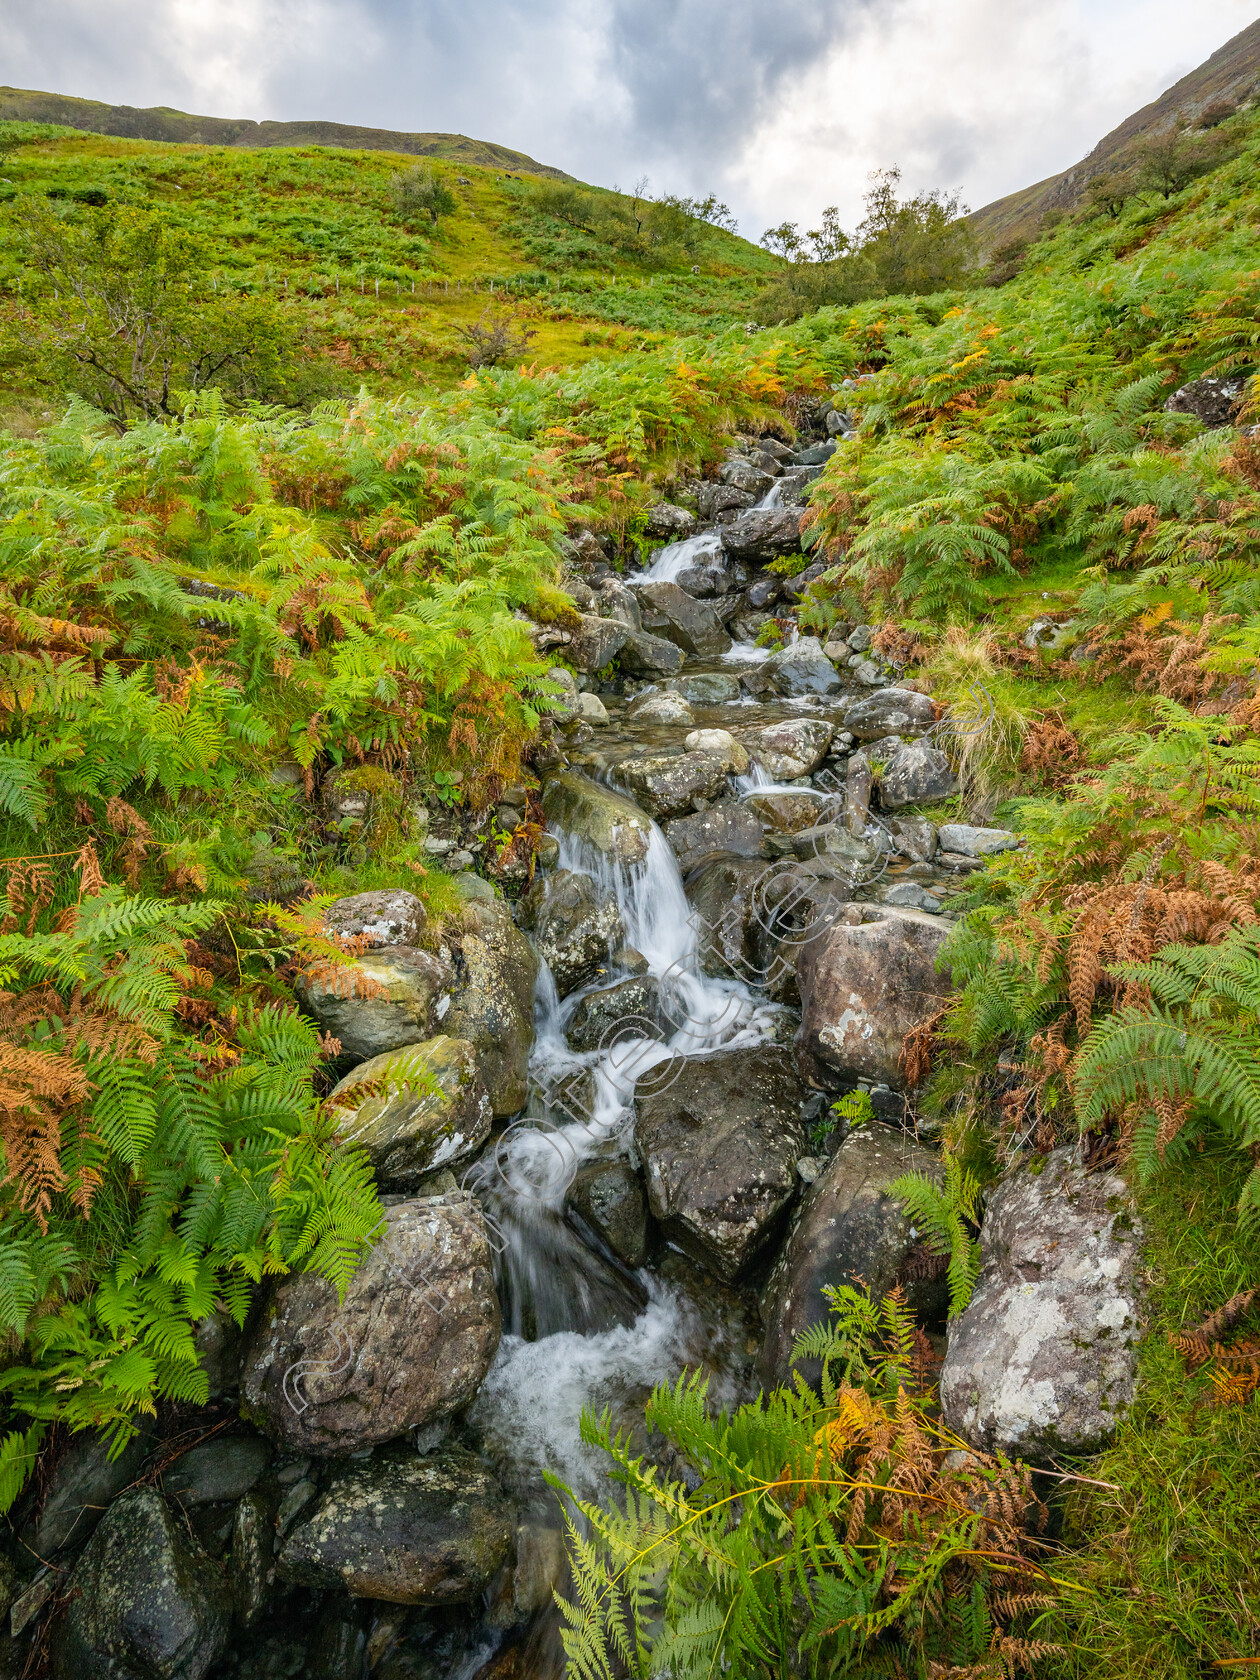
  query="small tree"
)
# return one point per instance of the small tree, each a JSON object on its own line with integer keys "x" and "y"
{"x": 1169, "y": 161}
{"x": 496, "y": 336}
{"x": 785, "y": 241}
{"x": 123, "y": 316}
{"x": 420, "y": 191}
{"x": 1107, "y": 193}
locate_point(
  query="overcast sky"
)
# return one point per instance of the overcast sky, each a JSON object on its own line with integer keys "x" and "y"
{"x": 780, "y": 106}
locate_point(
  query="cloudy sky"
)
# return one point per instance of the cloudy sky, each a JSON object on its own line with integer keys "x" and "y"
{"x": 780, "y": 106}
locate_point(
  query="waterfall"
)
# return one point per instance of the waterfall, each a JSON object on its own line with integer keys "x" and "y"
{"x": 676, "y": 557}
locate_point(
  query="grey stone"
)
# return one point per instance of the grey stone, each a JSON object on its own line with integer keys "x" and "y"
{"x": 609, "y": 1197}
{"x": 82, "y": 1485}
{"x": 594, "y": 814}
{"x": 493, "y": 1005}
{"x": 915, "y": 775}
{"x": 692, "y": 625}
{"x": 708, "y": 688}
{"x": 616, "y": 601}
{"x": 864, "y": 987}
{"x": 763, "y": 534}
{"x": 591, "y": 709}
{"x": 410, "y": 1343}
{"x": 667, "y": 786}
{"x": 428, "y": 1109}
{"x": 250, "y": 1569}
{"x": 715, "y": 501}
{"x": 787, "y": 813}
{"x": 859, "y": 638}
{"x": 651, "y": 656}
{"x": 574, "y": 929}
{"x": 889, "y": 711}
{"x": 743, "y": 475}
{"x": 142, "y": 1604}
{"x": 732, "y": 752}
{"x": 833, "y": 840}
{"x": 380, "y": 1001}
{"x": 222, "y": 1469}
{"x": 391, "y": 916}
{"x": 916, "y": 837}
{"x": 846, "y": 1228}
{"x": 816, "y": 455}
{"x": 218, "y": 1341}
{"x": 976, "y": 842}
{"x": 667, "y": 521}
{"x": 1213, "y": 402}
{"x": 598, "y": 1011}
{"x": 663, "y": 708}
{"x": 405, "y": 1529}
{"x": 790, "y": 748}
{"x": 803, "y": 668}
{"x": 1043, "y": 1360}
{"x": 723, "y": 828}
{"x": 597, "y": 643}
{"x": 719, "y": 1140}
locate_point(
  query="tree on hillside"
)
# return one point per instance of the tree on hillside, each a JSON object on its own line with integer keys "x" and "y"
{"x": 122, "y": 314}
{"x": 1169, "y": 161}
{"x": 420, "y": 191}
{"x": 496, "y": 336}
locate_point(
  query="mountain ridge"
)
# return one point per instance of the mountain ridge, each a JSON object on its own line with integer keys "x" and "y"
{"x": 165, "y": 123}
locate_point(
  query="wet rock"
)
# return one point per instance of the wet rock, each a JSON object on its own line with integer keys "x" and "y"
{"x": 225, "y": 1468}
{"x": 142, "y": 1604}
{"x": 597, "y": 643}
{"x": 428, "y": 1109}
{"x": 250, "y": 1571}
{"x": 609, "y": 1197}
{"x": 493, "y": 1005}
{"x": 724, "y": 828}
{"x": 763, "y": 535}
{"x": 889, "y": 711}
{"x": 81, "y": 1487}
{"x": 591, "y": 709}
{"x": 566, "y": 701}
{"x": 833, "y": 840}
{"x": 721, "y": 501}
{"x": 663, "y": 708}
{"x": 976, "y": 842}
{"x": 614, "y": 600}
{"x": 574, "y": 930}
{"x": 646, "y": 655}
{"x": 914, "y": 775}
{"x": 742, "y": 475}
{"x": 1043, "y": 1361}
{"x": 846, "y": 1228}
{"x": 910, "y": 894}
{"x": 816, "y": 455}
{"x": 218, "y": 1341}
{"x": 723, "y": 742}
{"x": 409, "y": 1345}
{"x": 863, "y": 988}
{"x": 405, "y": 1529}
{"x": 391, "y": 916}
{"x": 719, "y": 1147}
{"x": 1049, "y": 633}
{"x": 859, "y": 784}
{"x": 1213, "y": 402}
{"x": 790, "y": 748}
{"x": 382, "y": 1000}
{"x": 916, "y": 837}
{"x": 605, "y": 820}
{"x": 666, "y": 521}
{"x": 666, "y": 787}
{"x": 693, "y": 625}
{"x": 764, "y": 591}
{"x": 786, "y": 813}
{"x": 540, "y": 1569}
{"x": 600, "y": 1011}
{"x": 708, "y": 688}
{"x": 726, "y": 896}
{"x": 803, "y": 668}
{"x": 797, "y": 586}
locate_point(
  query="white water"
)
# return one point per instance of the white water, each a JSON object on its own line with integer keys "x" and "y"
{"x": 692, "y": 551}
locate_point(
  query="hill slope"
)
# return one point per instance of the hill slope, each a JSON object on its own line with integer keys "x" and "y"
{"x": 160, "y": 122}
{"x": 1229, "y": 74}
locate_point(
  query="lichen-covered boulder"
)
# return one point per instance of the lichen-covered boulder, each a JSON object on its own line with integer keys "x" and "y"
{"x": 646, "y": 655}
{"x": 790, "y": 748}
{"x": 609, "y": 1197}
{"x": 722, "y": 828}
{"x": 889, "y": 711}
{"x": 763, "y": 534}
{"x": 666, "y": 787}
{"x": 846, "y": 1227}
{"x": 693, "y": 625}
{"x": 719, "y": 1139}
{"x": 389, "y": 916}
{"x": 597, "y": 643}
{"x": 723, "y": 742}
{"x": 405, "y": 1529}
{"x": 492, "y": 1006}
{"x": 142, "y": 1602}
{"x": 597, "y": 816}
{"x": 428, "y": 1109}
{"x": 573, "y": 928}
{"x": 382, "y": 1000}
{"x": 916, "y": 774}
{"x": 1044, "y": 1360}
{"x": 598, "y": 1013}
{"x": 410, "y": 1344}
{"x": 803, "y": 668}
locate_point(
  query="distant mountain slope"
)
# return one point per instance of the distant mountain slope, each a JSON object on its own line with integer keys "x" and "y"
{"x": 1230, "y": 73}
{"x": 159, "y": 122}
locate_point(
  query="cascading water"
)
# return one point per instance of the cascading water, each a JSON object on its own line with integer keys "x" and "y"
{"x": 704, "y": 548}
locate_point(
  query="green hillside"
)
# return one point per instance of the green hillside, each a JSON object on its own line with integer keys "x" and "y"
{"x": 263, "y": 634}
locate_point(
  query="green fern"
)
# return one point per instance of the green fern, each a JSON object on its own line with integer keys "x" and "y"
{"x": 945, "y": 1215}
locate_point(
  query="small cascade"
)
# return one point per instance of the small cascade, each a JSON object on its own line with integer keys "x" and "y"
{"x": 704, "y": 548}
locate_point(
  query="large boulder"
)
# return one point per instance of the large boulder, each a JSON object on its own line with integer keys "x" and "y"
{"x": 598, "y": 1013}
{"x": 142, "y": 1603}
{"x": 669, "y": 522}
{"x": 645, "y": 655}
{"x": 803, "y": 668}
{"x": 614, "y": 600}
{"x": 574, "y": 928}
{"x": 708, "y": 688}
{"x": 719, "y": 1139}
{"x": 217, "y": 1471}
{"x": 890, "y": 711}
{"x": 83, "y": 1481}
{"x": 723, "y": 828}
{"x": 493, "y": 1005}
{"x": 968, "y": 841}
{"x": 597, "y": 643}
{"x": 787, "y": 813}
{"x": 380, "y": 1001}
{"x": 762, "y": 536}
{"x": 863, "y": 987}
{"x": 846, "y": 1228}
{"x": 726, "y": 895}
{"x": 663, "y": 707}
{"x": 720, "y": 741}
{"x": 405, "y": 1529}
{"x": 608, "y": 1197}
{"x": 790, "y": 748}
{"x": 1043, "y": 1360}
{"x": 667, "y": 786}
{"x": 410, "y": 1344}
{"x": 1213, "y": 402}
{"x": 916, "y": 774}
{"x": 391, "y": 916}
{"x": 693, "y": 625}
{"x": 722, "y": 501}
{"x": 592, "y": 813}
{"x": 426, "y": 1108}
